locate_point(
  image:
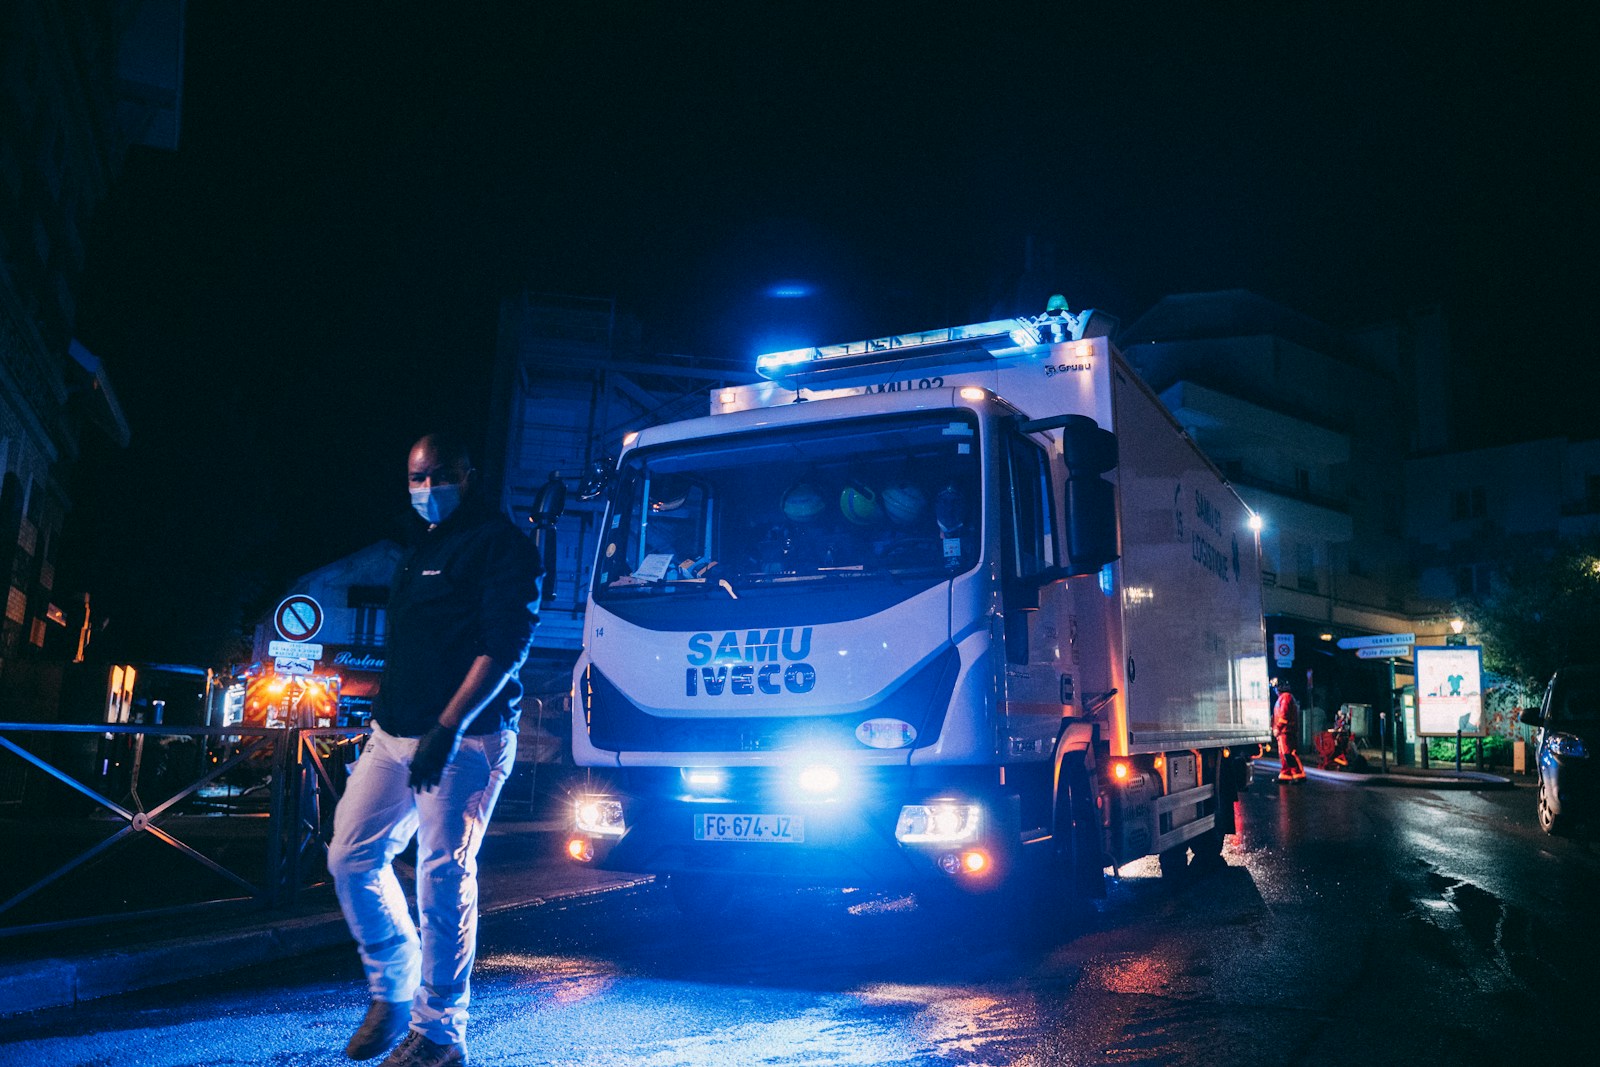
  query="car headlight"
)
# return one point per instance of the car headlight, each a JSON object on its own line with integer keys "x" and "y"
{"x": 598, "y": 815}
{"x": 942, "y": 821}
{"x": 1567, "y": 745}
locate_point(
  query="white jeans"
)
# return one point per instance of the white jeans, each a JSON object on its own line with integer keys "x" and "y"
{"x": 375, "y": 819}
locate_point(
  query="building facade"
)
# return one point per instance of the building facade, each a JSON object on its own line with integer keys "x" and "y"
{"x": 81, "y": 81}
{"x": 1470, "y": 513}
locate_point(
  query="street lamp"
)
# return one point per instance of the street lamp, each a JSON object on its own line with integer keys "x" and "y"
{"x": 1456, "y": 626}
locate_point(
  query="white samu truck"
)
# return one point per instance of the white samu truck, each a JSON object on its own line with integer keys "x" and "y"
{"x": 912, "y": 611}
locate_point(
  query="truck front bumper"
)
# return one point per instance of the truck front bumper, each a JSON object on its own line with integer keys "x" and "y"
{"x": 818, "y": 843}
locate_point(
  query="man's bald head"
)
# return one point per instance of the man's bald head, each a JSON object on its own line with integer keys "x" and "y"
{"x": 438, "y": 459}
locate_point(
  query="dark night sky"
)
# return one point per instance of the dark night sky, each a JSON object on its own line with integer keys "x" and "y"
{"x": 312, "y": 279}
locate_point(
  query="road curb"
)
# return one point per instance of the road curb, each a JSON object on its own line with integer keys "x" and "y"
{"x": 568, "y": 896}
{"x": 39, "y": 985}
{"x": 1454, "y": 780}
{"x": 1463, "y": 779}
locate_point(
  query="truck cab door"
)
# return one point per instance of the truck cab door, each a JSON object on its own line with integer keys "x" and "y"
{"x": 1033, "y": 599}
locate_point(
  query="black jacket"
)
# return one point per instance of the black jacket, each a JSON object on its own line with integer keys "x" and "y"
{"x": 469, "y": 587}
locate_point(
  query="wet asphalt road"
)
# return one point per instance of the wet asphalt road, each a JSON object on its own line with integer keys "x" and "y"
{"x": 1351, "y": 925}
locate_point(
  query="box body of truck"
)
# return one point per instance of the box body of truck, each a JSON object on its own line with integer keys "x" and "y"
{"x": 913, "y": 610}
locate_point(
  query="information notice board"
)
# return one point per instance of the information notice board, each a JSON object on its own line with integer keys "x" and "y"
{"x": 1449, "y": 691}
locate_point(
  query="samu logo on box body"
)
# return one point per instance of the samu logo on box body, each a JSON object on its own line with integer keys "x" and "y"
{"x": 769, "y": 662}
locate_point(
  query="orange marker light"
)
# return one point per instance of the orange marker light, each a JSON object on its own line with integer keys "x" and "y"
{"x": 580, "y": 850}
{"x": 1119, "y": 771}
{"x": 974, "y": 862}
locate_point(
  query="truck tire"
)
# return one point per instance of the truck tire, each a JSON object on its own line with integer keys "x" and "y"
{"x": 1232, "y": 777}
{"x": 1208, "y": 848}
{"x": 1080, "y": 865}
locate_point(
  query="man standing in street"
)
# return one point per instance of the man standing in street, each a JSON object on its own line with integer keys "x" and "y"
{"x": 461, "y": 614}
{"x": 1285, "y": 730}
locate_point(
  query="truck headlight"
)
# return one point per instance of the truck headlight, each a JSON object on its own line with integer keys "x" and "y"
{"x": 942, "y": 821}
{"x": 598, "y": 815}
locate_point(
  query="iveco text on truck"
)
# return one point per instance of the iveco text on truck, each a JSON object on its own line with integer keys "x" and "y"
{"x": 912, "y": 611}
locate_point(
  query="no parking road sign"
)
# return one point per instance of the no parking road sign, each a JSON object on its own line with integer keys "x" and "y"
{"x": 1283, "y": 649}
{"x": 298, "y": 618}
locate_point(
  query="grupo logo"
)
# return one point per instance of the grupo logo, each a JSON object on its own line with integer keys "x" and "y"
{"x": 752, "y": 663}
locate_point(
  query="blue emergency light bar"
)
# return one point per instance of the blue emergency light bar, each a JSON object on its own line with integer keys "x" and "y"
{"x": 991, "y": 336}
{"x": 1057, "y": 324}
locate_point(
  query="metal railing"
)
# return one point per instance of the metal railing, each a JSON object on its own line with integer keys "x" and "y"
{"x": 282, "y": 776}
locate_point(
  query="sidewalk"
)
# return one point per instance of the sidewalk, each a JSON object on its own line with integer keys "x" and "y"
{"x": 521, "y": 865}
{"x": 1437, "y": 776}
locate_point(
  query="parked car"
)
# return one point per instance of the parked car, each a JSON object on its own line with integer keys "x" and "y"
{"x": 1569, "y": 731}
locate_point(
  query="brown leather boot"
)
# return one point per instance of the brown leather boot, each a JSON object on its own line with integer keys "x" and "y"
{"x": 384, "y": 1024}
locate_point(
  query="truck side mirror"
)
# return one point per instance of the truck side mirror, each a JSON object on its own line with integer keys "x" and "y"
{"x": 1091, "y": 519}
{"x": 550, "y": 501}
{"x": 548, "y": 504}
{"x": 597, "y": 479}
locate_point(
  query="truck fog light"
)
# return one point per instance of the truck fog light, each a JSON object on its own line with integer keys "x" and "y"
{"x": 946, "y": 822}
{"x": 705, "y": 779}
{"x": 972, "y": 861}
{"x": 598, "y": 815}
{"x": 581, "y": 850}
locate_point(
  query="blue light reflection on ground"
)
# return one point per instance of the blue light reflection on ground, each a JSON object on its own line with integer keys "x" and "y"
{"x": 764, "y": 1005}
{"x": 575, "y": 1014}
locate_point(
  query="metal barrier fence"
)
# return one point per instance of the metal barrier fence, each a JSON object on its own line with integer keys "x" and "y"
{"x": 222, "y": 787}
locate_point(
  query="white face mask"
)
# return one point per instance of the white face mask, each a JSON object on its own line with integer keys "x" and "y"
{"x": 436, "y": 503}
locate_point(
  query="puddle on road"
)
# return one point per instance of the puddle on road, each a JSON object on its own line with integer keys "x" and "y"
{"x": 996, "y": 1025}
{"x": 1138, "y": 974}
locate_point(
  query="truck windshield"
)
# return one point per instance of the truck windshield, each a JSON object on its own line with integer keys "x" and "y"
{"x": 890, "y": 498}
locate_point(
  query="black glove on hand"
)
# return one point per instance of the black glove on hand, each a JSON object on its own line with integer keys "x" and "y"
{"x": 435, "y": 749}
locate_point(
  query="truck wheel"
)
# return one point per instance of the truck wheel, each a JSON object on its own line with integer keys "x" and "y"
{"x": 1208, "y": 848}
{"x": 698, "y": 896}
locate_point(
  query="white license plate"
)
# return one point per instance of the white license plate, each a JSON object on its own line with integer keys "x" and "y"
{"x": 768, "y": 829}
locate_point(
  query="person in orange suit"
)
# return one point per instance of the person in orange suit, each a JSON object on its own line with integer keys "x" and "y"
{"x": 1285, "y": 728}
